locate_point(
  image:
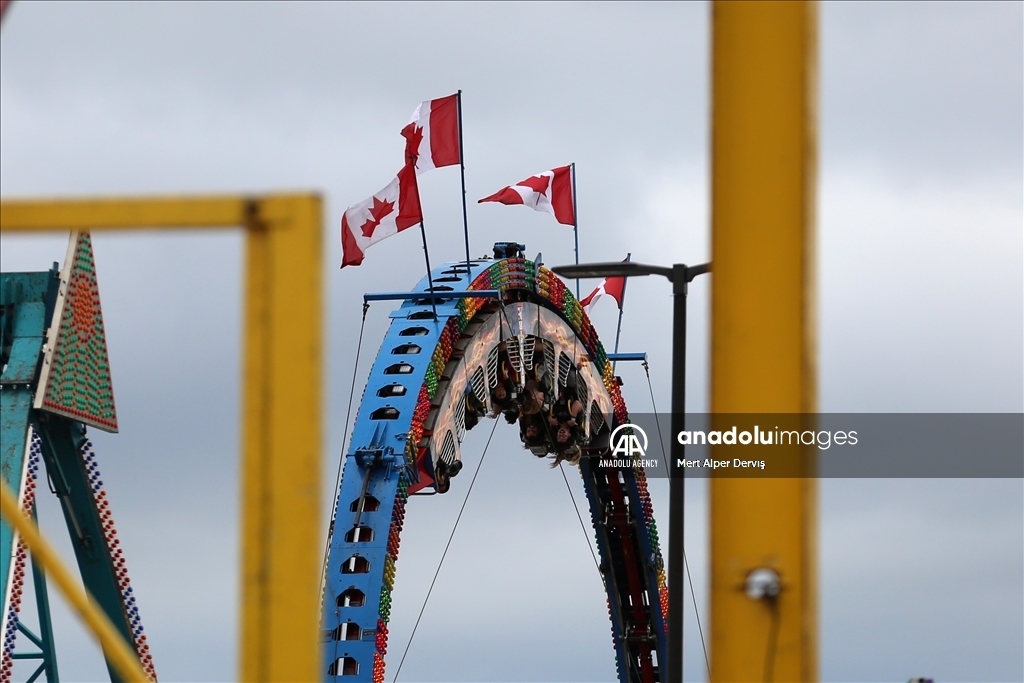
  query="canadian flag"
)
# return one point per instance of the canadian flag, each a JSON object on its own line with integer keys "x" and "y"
{"x": 432, "y": 135}
{"x": 386, "y": 213}
{"x": 612, "y": 286}
{"x": 549, "y": 191}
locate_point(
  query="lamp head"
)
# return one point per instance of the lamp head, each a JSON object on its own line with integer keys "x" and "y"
{"x": 611, "y": 269}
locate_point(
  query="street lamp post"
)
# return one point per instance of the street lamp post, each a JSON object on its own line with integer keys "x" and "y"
{"x": 680, "y": 275}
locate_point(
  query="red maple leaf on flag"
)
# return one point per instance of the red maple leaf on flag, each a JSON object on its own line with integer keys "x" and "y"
{"x": 377, "y": 212}
{"x": 537, "y": 183}
{"x": 413, "y": 135}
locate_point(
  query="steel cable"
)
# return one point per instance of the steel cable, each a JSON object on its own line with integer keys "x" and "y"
{"x": 686, "y": 564}
{"x": 445, "y": 553}
{"x": 583, "y": 526}
{"x": 344, "y": 439}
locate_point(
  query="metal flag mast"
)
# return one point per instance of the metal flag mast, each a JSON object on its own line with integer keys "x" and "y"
{"x": 426, "y": 257}
{"x": 618, "y": 328}
{"x": 576, "y": 231}
{"x": 462, "y": 168}
{"x": 411, "y": 159}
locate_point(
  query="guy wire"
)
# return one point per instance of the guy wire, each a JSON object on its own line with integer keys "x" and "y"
{"x": 686, "y": 564}
{"x": 344, "y": 440}
{"x": 445, "y": 553}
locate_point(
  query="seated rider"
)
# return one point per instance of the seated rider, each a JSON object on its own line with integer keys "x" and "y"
{"x": 563, "y": 419}
{"x": 535, "y": 398}
{"x": 534, "y": 434}
{"x": 475, "y": 409}
{"x": 503, "y": 395}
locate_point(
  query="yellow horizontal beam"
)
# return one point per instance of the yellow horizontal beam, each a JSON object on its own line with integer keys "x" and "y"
{"x": 192, "y": 212}
{"x": 116, "y": 650}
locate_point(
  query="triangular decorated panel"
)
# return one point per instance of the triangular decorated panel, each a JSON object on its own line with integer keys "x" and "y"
{"x": 75, "y": 380}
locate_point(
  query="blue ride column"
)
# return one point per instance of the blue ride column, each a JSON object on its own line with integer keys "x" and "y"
{"x": 380, "y": 465}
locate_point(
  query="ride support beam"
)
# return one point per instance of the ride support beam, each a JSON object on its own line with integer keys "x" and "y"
{"x": 281, "y": 443}
{"x": 119, "y": 652}
{"x": 62, "y": 442}
{"x": 45, "y": 638}
{"x": 763, "y": 338}
{"x": 282, "y": 400}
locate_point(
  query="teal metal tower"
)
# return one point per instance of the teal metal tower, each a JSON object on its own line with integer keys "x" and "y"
{"x": 55, "y": 383}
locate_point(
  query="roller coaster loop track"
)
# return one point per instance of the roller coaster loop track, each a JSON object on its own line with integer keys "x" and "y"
{"x": 433, "y": 378}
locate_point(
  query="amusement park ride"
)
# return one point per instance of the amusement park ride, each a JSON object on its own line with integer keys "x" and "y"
{"x": 501, "y": 328}
{"x": 55, "y": 383}
{"x": 469, "y": 342}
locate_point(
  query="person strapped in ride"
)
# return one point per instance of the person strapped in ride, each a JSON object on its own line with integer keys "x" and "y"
{"x": 504, "y": 398}
{"x": 533, "y": 430}
{"x": 564, "y": 423}
{"x": 535, "y": 398}
{"x": 475, "y": 409}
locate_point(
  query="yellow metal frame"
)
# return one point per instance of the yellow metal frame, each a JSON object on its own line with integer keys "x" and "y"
{"x": 763, "y": 330}
{"x": 282, "y": 401}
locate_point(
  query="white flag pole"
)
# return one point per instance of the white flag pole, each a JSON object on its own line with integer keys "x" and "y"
{"x": 426, "y": 257}
{"x": 618, "y": 329}
{"x": 423, "y": 233}
{"x": 462, "y": 166}
{"x": 575, "y": 224}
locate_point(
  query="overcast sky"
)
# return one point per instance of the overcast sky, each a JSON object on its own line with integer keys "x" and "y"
{"x": 921, "y": 288}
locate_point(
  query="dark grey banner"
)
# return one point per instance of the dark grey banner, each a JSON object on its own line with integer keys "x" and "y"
{"x": 827, "y": 445}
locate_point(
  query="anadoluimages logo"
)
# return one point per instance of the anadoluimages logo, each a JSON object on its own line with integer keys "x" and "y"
{"x": 628, "y": 445}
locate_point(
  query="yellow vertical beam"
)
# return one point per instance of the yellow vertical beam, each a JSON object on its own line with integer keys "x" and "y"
{"x": 281, "y": 442}
{"x": 764, "y": 80}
